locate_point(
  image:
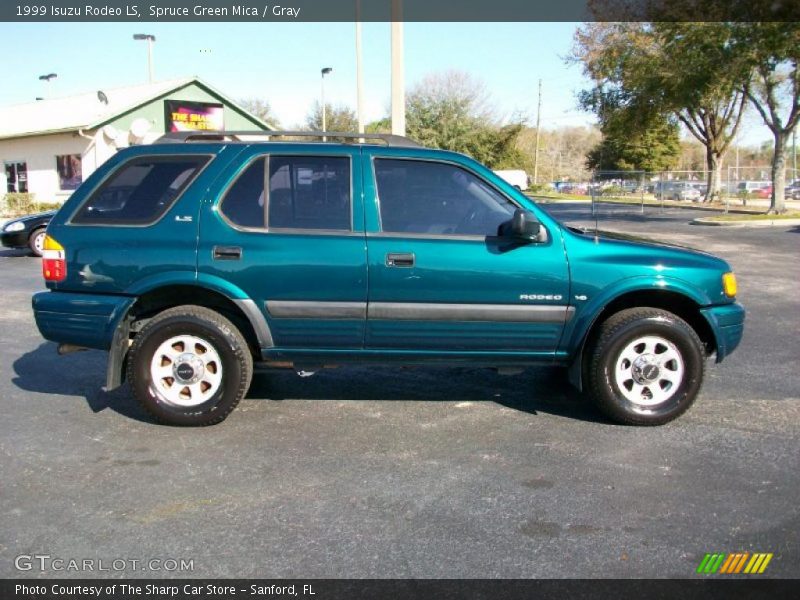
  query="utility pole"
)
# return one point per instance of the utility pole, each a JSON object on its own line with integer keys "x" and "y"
{"x": 398, "y": 75}
{"x": 359, "y": 72}
{"x": 536, "y": 149}
{"x": 794, "y": 152}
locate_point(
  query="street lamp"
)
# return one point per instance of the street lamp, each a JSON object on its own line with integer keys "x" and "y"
{"x": 323, "y": 72}
{"x": 46, "y": 79}
{"x": 149, "y": 39}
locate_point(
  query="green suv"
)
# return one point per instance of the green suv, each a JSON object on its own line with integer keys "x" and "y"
{"x": 194, "y": 258}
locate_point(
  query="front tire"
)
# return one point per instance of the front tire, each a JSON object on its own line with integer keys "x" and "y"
{"x": 189, "y": 366}
{"x": 646, "y": 367}
{"x": 36, "y": 241}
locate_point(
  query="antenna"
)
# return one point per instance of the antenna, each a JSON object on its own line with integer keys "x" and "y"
{"x": 101, "y": 96}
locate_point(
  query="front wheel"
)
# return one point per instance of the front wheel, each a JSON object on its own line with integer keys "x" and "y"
{"x": 646, "y": 367}
{"x": 36, "y": 241}
{"x": 189, "y": 366}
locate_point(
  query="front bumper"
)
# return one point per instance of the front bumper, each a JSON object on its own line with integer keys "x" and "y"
{"x": 14, "y": 239}
{"x": 727, "y": 323}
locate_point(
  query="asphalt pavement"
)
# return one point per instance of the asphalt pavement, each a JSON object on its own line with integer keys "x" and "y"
{"x": 423, "y": 473}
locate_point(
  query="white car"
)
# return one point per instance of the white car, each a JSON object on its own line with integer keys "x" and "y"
{"x": 516, "y": 177}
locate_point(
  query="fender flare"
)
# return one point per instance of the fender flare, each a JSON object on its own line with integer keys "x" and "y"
{"x": 591, "y": 312}
{"x": 117, "y": 353}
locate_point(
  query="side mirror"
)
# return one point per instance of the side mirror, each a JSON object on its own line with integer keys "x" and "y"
{"x": 525, "y": 226}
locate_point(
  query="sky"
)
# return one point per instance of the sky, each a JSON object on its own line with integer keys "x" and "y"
{"x": 281, "y": 62}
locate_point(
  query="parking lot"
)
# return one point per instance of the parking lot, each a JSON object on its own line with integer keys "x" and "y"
{"x": 445, "y": 472}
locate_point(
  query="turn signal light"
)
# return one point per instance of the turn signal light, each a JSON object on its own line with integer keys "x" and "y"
{"x": 54, "y": 260}
{"x": 729, "y": 284}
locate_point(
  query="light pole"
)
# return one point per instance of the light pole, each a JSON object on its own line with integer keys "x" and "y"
{"x": 398, "y": 71}
{"x": 46, "y": 79}
{"x": 149, "y": 39}
{"x": 323, "y": 72}
{"x": 359, "y": 72}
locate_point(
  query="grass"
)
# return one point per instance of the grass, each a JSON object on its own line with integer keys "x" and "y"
{"x": 794, "y": 214}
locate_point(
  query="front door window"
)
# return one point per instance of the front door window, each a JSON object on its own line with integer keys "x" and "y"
{"x": 424, "y": 197}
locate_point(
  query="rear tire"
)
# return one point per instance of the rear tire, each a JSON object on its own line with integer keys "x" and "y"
{"x": 189, "y": 365}
{"x": 646, "y": 367}
{"x": 36, "y": 241}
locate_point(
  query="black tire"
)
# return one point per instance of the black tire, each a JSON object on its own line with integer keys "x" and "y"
{"x": 210, "y": 327}
{"x": 32, "y": 240}
{"x": 617, "y": 336}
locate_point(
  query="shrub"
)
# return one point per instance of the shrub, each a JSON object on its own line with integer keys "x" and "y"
{"x": 16, "y": 204}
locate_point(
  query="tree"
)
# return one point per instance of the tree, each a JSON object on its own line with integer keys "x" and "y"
{"x": 671, "y": 69}
{"x": 337, "y": 118}
{"x": 380, "y": 126}
{"x": 450, "y": 110}
{"x": 636, "y": 136}
{"x": 654, "y": 149}
{"x": 261, "y": 109}
{"x": 771, "y": 51}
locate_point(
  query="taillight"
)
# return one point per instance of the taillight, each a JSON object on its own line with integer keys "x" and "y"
{"x": 54, "y": 260}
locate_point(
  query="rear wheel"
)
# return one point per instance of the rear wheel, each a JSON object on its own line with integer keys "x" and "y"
{"x": 36, "y": 241}
{"x": 189, "y": 366}
{"x": 646, "y": 367}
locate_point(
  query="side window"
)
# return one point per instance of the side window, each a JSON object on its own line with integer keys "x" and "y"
{"x": 243, "y": 205}
{"x": 438, "y": 199}
{"x": 140, "y": 191}
{"x": 309, "y": 192}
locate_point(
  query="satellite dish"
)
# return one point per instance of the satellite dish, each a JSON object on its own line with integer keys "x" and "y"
{"x": 101, "y": 96}
{"x": 139, "y": 128}
{"x": 110, "y": 132}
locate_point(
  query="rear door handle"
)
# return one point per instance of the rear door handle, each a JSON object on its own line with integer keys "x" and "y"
{"x": 400, "y": 259}
{"x": 227, "y": 253}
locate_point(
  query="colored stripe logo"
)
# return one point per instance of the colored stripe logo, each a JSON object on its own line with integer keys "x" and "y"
{"x": 734, "y": 563}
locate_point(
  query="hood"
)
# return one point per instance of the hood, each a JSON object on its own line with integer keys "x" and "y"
{"x": 38, "y": 216}
{"x": 636, "y": 240}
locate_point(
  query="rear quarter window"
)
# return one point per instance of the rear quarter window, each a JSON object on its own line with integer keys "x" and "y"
{"x": 140, "y": 191}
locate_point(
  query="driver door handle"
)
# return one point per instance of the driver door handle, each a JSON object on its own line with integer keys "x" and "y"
{"x": 400, "y": 259}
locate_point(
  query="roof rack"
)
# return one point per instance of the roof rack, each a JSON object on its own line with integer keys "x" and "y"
{"x": 239, "y": 136}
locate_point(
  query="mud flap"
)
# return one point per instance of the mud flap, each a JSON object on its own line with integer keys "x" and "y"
{"x": 115, "y": 370}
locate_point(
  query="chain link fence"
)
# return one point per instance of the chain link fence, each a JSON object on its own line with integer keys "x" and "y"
{"x": 749, "y": 187}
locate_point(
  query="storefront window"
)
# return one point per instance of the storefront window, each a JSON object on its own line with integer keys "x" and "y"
{"x": 69, "y": 171}
{"x": 16, "y": 177}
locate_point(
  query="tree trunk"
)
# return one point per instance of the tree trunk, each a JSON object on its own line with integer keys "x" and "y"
{"x": 714, "y": 176}
{"x": 778, "y": 202}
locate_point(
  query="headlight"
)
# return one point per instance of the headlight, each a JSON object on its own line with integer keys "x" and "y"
{"x": 14, "y": 226}
{"x": 729, "y": 284}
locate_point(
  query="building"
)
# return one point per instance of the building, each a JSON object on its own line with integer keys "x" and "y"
{"x": 49, "y": 146}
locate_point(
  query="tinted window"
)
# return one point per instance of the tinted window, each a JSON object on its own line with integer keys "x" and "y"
{"x": 309, "y": 192}
{"x": 244, "y": 202}
{"x": 140, "y": 191}
{"x": 304, "y": 193}
{"x": 438, "y": 199}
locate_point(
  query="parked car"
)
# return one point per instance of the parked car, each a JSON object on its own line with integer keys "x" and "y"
{"x": 27, "y": 232}
{"x": 792, "y": 191}
{"x": 678, "y": 190}
{"x": 764, "y": 192}
{"x": 226, "y": 252}
{"x": 750, "y": 187}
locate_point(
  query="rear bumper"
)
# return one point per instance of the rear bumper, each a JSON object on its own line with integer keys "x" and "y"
{"x": 88, "y": 320}
{"x": 727, "y": 323}
{"x": 15, "y": 239}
